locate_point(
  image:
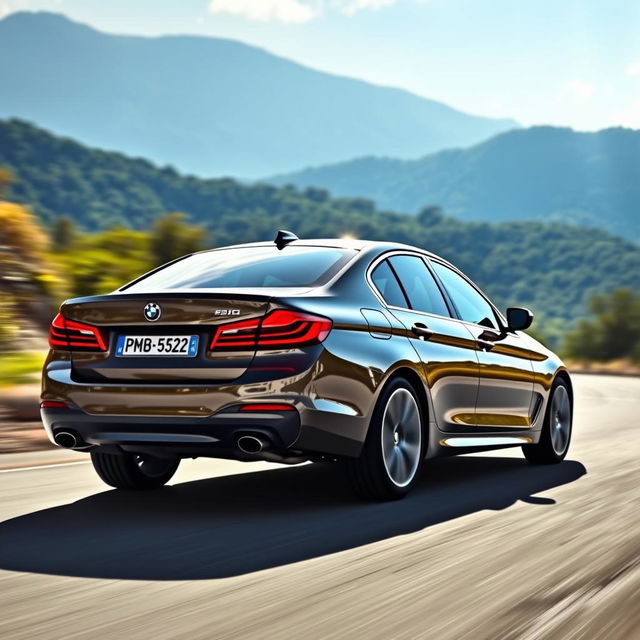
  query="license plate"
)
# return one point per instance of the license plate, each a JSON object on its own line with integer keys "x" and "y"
{"x": 157, "y": 346}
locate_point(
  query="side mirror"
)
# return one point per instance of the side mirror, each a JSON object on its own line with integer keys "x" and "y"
{"x": 518, "y": 318}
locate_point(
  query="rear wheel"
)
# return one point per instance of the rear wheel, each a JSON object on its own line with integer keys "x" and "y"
{"x": 556, "y": 431}
{"x": 133, "y": 471}
{"x": 394, "y": 449}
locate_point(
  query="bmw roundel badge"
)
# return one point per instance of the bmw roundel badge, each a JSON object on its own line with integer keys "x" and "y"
{"x": 152, "y": 312}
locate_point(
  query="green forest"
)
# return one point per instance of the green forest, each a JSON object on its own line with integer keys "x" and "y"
{"x": 102, "y": 218}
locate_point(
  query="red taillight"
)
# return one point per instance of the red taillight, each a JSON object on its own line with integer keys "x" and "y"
{"x": 68, "y": 334}
{"x": 278, "y": 330}
{"x": 236, "y": 335}
{"x": 267, "y": 407}
{"x": 284, "y": 328}
{"x": 53, "y": 404}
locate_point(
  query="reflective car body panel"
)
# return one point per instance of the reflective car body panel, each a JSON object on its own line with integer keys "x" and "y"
{"x": 506, "y": 381}
{"x": 450, "y": 365}
{"x": 196, "y": 406}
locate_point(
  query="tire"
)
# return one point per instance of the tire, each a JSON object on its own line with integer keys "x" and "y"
{"x": 133, "y": 471}
{"x": 393, "y": 452}
{"x": 556, "y": 430}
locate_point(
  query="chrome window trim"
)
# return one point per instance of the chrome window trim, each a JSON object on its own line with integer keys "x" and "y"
{"x": 374, "y": 289}
{"x": 429, "y": 257}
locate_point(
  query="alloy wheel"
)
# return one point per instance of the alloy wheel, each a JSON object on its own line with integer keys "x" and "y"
{"x": 560, "y": 418}
{"x": 401, "y": 437}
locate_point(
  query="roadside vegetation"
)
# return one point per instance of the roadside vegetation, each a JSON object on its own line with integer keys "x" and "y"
{"x": 77, "y": 221}
{"x": 20, "y": 367}
{"x": 611, "y": 334}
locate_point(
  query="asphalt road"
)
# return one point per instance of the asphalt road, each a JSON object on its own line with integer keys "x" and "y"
{"x": 486, "y": 547}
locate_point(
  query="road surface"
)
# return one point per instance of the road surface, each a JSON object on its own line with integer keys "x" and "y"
{"x": 486, "y": 547}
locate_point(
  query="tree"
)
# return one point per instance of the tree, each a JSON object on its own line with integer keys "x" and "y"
{"x": 102, "y": 262}
{"x": 172, "y": 237}
{"x": 613, "y": 332}
{"x": 21, "y": 236}
{"x": 6, "y": 178}
{"x": 28, "y": 285}
{"x": 63, "y": 233}
{"x": 430, "y": 216}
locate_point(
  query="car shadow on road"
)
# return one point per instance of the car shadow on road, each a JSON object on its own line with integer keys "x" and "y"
{"x": 232, "y": 525}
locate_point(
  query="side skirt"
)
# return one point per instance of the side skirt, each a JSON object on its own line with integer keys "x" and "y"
{"x": 451, "y": 444}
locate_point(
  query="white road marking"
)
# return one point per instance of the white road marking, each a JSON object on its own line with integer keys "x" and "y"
{"x": 45, "y": 466}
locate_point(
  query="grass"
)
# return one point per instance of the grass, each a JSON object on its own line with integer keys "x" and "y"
{"x": 20, "y": 367}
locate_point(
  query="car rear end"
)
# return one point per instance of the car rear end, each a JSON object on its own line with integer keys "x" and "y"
{"x": 172, "y": 366}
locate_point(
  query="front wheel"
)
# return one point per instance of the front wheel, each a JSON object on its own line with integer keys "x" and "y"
{"x": 133, "y": 471}
{"x": 556, "y": 430}
{"x": 394, "y": 449}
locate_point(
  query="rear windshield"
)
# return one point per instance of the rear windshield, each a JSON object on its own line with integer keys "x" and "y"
{"x": 249, "y": 267}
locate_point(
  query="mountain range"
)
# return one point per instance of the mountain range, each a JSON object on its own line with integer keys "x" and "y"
{"x": 540, "y": 173}
{"x": 552, "y": 268}
{"x": 211, "y": 106}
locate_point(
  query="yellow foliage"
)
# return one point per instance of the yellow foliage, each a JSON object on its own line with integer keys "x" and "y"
{"x": 20, "y": 232}
{"x": 28, "y": 284}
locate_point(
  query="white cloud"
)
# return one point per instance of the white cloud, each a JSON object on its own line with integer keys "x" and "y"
{"x": 266, "y": 10}
{"x": 11, "y": 7}
{"x": 350, "y": 7}
{"x": 580, "y": 90}
{"x": 633, "y": 69}
{"x": 293, "y": 11}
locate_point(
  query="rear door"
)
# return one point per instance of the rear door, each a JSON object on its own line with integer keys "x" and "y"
{"x": 506, "y": 371}
{"x": 168, "y": 338}
{"x": 445, "y": 347}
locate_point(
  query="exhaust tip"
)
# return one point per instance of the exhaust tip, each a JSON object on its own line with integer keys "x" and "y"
{"x": 251, "y": 444}
{"x": 65, "y": 439}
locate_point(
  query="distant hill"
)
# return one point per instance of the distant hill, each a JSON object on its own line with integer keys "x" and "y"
{"x": 553, "y": 268}
{"x": 541, "y": 173}
{"x": 208, "y": 105}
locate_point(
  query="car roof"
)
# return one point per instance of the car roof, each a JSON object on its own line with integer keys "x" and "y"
{"x": 341, "y": 243}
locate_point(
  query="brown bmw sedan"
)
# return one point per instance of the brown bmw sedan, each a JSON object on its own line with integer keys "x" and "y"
{"x": 375, "y": 355}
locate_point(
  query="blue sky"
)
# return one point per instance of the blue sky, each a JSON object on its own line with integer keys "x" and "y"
{"x": 564, "y": 62}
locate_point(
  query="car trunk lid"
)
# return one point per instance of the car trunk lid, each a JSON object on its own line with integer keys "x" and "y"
{"x": 143, "y": 319}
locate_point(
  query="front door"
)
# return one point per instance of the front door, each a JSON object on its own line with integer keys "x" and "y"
{"x": 506, "y": 380}
{"x": 506, "y": 372}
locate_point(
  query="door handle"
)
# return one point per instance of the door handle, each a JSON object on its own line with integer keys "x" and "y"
{"x": 421, "y": 330}
{"x": 485, "y": 345}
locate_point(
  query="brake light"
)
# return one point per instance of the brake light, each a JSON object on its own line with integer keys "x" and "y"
{"x": 279, "y": 329}
{"x": 68, "y": 334}
{"x": 267, "y": 407}
{"x": 53, "y": 404}
{"x": 283, "y": 328}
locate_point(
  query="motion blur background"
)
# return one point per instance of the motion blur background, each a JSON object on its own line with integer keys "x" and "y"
{"x": 502, "y": 136}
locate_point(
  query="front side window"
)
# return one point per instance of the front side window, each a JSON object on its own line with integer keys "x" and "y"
{"x": 471, "y": 305}
{"x": 419, "y": 285}
{"x": 249, "y": 267}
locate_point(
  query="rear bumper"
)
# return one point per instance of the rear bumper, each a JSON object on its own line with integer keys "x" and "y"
{"x": 218, "y": 431}
{"x": 331, "y": 409}
{"x": 307, "y": 431}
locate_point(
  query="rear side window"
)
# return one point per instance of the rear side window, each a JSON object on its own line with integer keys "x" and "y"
{"x": 469, "y": 302}
{"x": 249, "y": 267}
{"x": 419, "y": 285}
{"x": 387, "y": 285}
